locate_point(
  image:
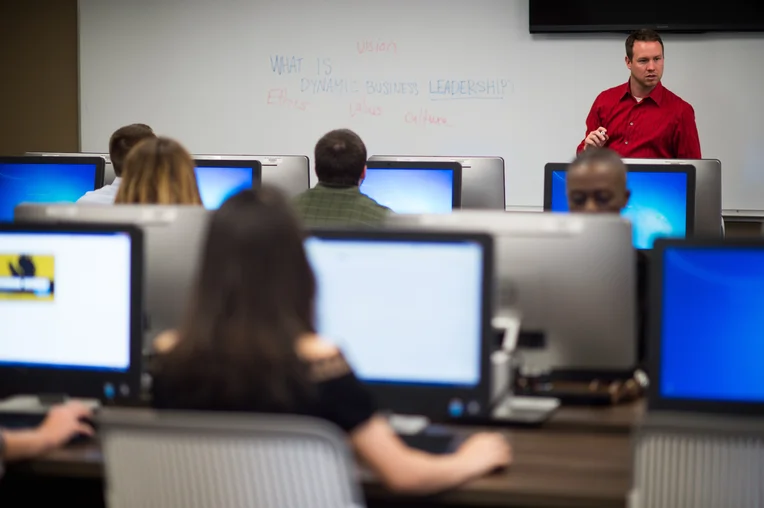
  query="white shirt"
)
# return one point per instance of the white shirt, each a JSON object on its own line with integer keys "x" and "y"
{"x": 103, "y": 196}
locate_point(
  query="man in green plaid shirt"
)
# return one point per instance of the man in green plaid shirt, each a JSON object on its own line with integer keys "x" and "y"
{"x": 340, "y": 158}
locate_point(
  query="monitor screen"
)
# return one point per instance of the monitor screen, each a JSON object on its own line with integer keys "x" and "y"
{"x": 218, "y": 183}
{"x": 27, "y": 182}
{"x": 411, "y": 190}
{"x": 65, "y": 300}
{"x": 403, "y": 312}
{"x": 657, "y": 206}
{"x": 711, "y": 324}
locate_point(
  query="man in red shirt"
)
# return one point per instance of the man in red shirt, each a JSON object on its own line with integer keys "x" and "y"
{"x": 642, "y": 118}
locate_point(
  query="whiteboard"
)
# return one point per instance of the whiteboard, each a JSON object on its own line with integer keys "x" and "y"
{"x": 412, "y": 77}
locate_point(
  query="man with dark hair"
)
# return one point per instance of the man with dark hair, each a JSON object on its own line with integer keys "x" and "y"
{"x": 642, "y": 118}
{"x": 340, "y": 159}
{"x": 120, "y": 144}
{"x": 596, "y": 183}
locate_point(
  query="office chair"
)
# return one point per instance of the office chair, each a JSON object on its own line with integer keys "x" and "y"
{"x": 698, "y": 461}
{"x": 156, "y": 459}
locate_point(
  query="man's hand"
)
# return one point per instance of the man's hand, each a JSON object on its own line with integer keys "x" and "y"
{"x": 598, "y": 137}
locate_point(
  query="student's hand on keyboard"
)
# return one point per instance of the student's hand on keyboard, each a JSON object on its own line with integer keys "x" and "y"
{"x": 486, "y": 452}
{"x": 64, "y": 422}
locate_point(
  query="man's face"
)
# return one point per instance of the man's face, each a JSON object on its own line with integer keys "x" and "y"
{"x": 646, "y": 65}
{"x": 596, "y": 188}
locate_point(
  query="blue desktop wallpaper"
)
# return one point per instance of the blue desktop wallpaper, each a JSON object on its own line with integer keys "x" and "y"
{"x": 411, "y": 190}
{"x": 712, "y": 336}
{"x": 216, "y": 184}
{"x": 42, "y": 183}
{"x": 657, "y": 207}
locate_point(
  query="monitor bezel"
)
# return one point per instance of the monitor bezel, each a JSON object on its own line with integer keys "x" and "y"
{"x": 255, "y": 165}
{"x": 455, "y": 167}
{"x": 86, "y": 383}
{"x": 432, "y": 400}
{"x": 655, "y": 400}
{"x": 688, "y": 169}
{"x": 95, "y": 160}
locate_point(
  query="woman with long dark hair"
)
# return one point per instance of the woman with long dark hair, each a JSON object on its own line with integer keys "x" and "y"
{"x": 248, "y": 343}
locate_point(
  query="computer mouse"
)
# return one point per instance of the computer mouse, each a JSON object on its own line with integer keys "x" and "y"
{"x": 499, "y": 470}
{"x": 84, "y": 438}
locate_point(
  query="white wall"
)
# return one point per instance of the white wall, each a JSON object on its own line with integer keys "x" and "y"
{"x": 202, "y": 71}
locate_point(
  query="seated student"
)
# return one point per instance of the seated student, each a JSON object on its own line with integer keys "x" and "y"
{"x": 120, "y": 144}
{"x": 159, "y": 171}
{"x": 596, "y": 183}
{"x": 340, "y": 159}
{"x": 249, "y": 343}
{"x": 62, "y": 423}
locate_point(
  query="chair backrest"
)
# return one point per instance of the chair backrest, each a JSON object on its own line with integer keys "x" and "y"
{"x": 160, "y": 459}
{"x": 698, "y": 461}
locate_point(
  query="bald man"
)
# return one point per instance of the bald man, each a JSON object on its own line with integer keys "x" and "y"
{"x": 596, "y": 183}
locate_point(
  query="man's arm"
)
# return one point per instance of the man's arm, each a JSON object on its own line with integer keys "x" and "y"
{"x": 61, "y": 424}
{"x": 593, "y": 122}
{"x": 24, "y": 444}
{"x": 686, "y": 140}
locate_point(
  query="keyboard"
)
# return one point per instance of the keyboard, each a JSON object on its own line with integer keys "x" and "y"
{"x": 439, "y": 444}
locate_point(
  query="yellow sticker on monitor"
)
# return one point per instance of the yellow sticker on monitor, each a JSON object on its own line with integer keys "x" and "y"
{"x": 27, "y": 277}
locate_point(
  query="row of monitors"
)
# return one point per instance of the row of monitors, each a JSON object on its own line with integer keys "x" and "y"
{"x": 420, "y": 340}
{"x": 674, "y": 200}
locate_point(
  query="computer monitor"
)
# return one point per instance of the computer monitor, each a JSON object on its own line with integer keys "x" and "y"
{"x": 290, "y": 173}
{"x": 708, "y": 192}
{"x": 411, "y": 311}
{"x": 218, "y": 180}
{"x": 569, "y": 278}
{"x": 482, "y": 178}
{"x": 174, "y": 236}
{"x": 706, "y": 328}
{"x": 414, "y": 187}
{"x": 108, "y": 173}
{"x": 46, "y": 180}
{"x": 70, "y": 308}
{"x": 662, "y": 202}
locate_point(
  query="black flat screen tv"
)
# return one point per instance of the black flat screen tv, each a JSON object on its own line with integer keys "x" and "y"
{"x": 568, "y": 16}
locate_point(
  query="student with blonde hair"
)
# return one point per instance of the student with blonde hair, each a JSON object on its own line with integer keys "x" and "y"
{"x": 159, "y": 171}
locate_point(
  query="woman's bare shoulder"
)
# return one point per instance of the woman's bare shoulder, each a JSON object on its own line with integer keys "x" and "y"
{"x": 313, "y": 348}
{"x": 165, "y": 341}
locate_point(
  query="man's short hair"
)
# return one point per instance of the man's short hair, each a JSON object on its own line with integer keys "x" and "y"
{"x": 598, "y": 156}
{"x": 123, "y": 140}
{"x": 340, "y": 157}
{"x": 644, "y": 35}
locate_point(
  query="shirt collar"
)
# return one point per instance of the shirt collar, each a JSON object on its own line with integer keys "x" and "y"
{"x": 656, "y": 95}
{"x": 350, "y": 189}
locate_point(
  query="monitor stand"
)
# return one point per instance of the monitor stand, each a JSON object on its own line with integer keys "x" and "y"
{"x": 39, "y": 404}
{"x": 509, "y": 408}
{"x": 406, "y": 425}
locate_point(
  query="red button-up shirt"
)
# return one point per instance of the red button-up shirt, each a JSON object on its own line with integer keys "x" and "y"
{"x": 661, "y": 126}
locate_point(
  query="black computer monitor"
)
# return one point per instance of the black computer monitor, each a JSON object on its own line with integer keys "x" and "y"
{"x": 706, "y": 335}
{"x": 220, "y": 179}
{"x": 662, "y": 202}
{"x": 70, "y": 311}
{"x": 46, "y": 180}
{"x": 411, "y": 311}
{"x": 414, "y": 187}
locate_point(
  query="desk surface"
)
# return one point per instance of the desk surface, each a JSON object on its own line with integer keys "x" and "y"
{"x": 620, "y": 418}
{"x": 551, "y": 469}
